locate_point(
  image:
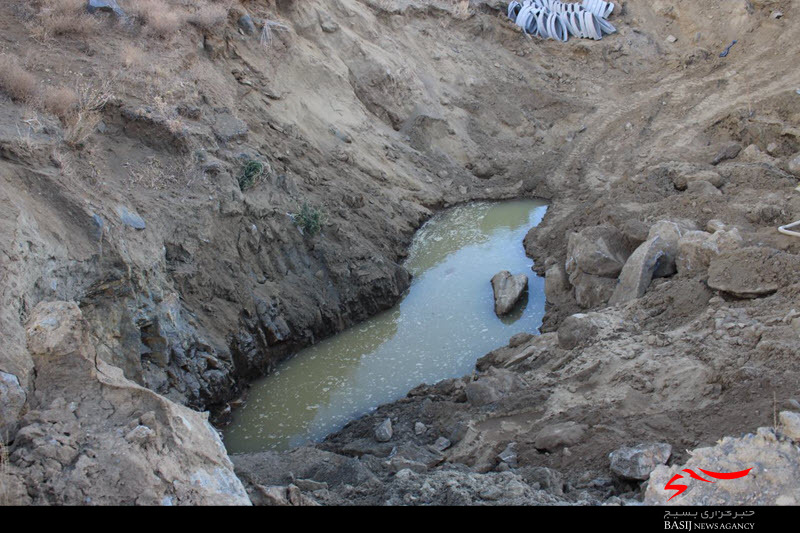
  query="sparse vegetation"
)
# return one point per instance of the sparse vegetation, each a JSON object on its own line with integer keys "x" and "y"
{"x": 86, "y": 115}
{"x": 309, "y": 219}
{"x": 60, "y": 101}
{"x": 251, "y": 172}
{"x": 15, "y": 81}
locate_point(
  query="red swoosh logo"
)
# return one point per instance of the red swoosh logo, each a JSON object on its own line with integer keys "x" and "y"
{"x": 679, "y": 489}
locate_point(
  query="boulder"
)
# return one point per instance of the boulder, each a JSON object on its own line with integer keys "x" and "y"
{"x": 696, "y": 249}
{"x": 639, "y": 461}
{"x": 247, "y": 25}
{"x": 507, "y": 290}
{"x": 653, "y": 258}
{"x": 556, "y": 285}
{"x": 492, "y": 386}
{"x": 556, "y": 436}
{"x": 790, "y": 425}
{"x": 383, "y": 433}
{"x": 579, "y": 330}
{"x": 597, "y": 250}
{"x": 593, "y": 291}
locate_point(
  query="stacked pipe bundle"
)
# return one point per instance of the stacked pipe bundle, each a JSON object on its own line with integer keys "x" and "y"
{"x": 551, "y": 19}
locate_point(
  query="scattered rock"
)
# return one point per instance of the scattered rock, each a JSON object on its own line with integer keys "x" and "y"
{"x": 383, "y": 433}
{"x": 593, "y": 291}
{"x": 696, "y": 249}
{"x": 653, "y": 258}
{"x": 329, "y": 26}
{"x": 671, "y": 39}
{"x": 247, "y": 25}
{"x": 130, "y": 218}
{"x": 597, "y": 250}
{"x": 492, "y": 386}
{"x": 441, "y": 444}
{"x": 728, "y": 151}
{"x": 105, "y": 6}
{"x": 420, "y": 428}
{"x": 638, "y": 462}
{"x": 578, "y": 330}
{"x": 556, "y": 285}
{"x": 794, "y": 165}
{"x": 509, "y": 454}
{"x": 552, "y": 438}
{"x": 507, "y": 290}
{"x": 702, "y": 187}
{"x": 790, "y": 425}
{"x": 228, "y": 128}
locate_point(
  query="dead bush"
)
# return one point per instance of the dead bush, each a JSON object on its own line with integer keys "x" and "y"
{"x": 60, "y": 101}
{"x": 15, "y": 81}
{"x": 159, "y": 19}
{"x": 82, "y": 122}
{"x": 63, "y": 17}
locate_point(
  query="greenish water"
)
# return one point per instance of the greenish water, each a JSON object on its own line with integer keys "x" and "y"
{"x": 443, "y": 324}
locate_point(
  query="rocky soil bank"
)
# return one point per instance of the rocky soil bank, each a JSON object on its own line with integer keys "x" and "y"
{"x": 154, "y": 259}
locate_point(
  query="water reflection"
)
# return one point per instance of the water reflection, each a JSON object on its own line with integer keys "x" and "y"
{"x": 443, "y": 324}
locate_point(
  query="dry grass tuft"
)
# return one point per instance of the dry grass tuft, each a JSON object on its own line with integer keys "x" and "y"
{"x": 82, "y": 122}
{"x": 63, "y": 17}
{"x": 209, "y": 16}
{"x": 132, "y": 57}
{"x": 15, "y": 81}
{"x": 60, "y": 101}
{"x": 159, "y": 19}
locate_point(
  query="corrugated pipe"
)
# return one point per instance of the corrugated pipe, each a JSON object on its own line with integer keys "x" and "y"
{"x": 551, "y": 19}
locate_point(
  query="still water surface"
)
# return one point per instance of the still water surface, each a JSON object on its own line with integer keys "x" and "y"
{"x": 443, "y": 324}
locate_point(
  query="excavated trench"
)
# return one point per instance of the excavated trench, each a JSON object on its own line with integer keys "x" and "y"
{"x": 442, "y": 324}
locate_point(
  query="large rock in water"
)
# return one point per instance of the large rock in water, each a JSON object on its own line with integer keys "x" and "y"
{"x": 92, "y": 437}
{"x": 507, "y": 290}
{"x": 640, "y": 461}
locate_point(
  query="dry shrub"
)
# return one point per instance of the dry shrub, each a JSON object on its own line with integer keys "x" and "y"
{"x": 159, "y": 19}
{"x": 82, "y": 122}
{"x": 64, "y": 17}
{"x": 132, "y": 57}
{"x": 209, "y": 16}
{"x": 60, "y": 101}
{"x": 15, "y": 81}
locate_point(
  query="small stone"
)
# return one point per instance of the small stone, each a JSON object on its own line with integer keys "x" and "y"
{"x": 555, "y": 436}
{"x": 420, "y": 428}
{"x": 130, "y": 218}
{"x": 728, "y": 151}
{"x": 509, "y": 454}
{"x": 639, "y": 461}
{"x": 772, "y": 148}
{"x": 328, "y": 26}
{"x": 671, "y": 39}
{"x": 108, "y": 6}
{"x": 790, "y": 425}
{"x": 246, "y": 24}
{"x": 383, "y": 433}
{"x": 777, "y": 14}
{"x": 442, "y": 443}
